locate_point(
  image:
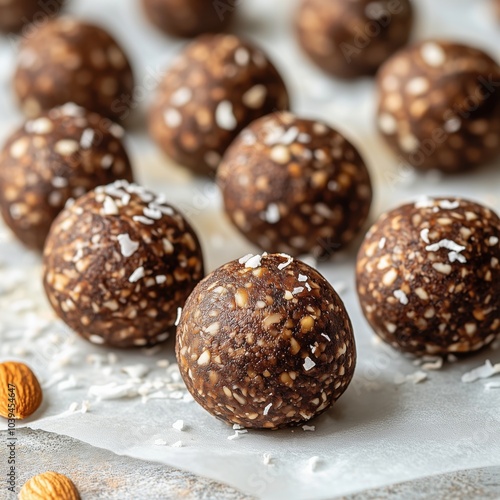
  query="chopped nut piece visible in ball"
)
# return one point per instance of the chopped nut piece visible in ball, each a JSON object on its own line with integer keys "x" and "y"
{"x": 433, "y": 287}
{"x": 49, "y": 486}
{"x": 294, "y": 185}
{"x": 215, "y": 88}
{"x": 66, "y": 60}
{"x": 438, "y": 108}
{"x": 14, "y": 14}
{"x": 353, "y": 38}
{"x": 265, "y": 342}
{"x": 118, "y": 263}
{"x": 189, "y": 18}
{"x": 60, "y": 155}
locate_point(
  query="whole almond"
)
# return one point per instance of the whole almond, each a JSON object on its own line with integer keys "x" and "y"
{"x": 20, "y": 391}
{"x": 49, "y": 486}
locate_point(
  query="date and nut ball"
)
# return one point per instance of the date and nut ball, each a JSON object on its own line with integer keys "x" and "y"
{"x": 63, "y": 154}
{"x": 68, "y": 60}
{"x": 349, "y": 39}
{"x": 265, "y": 342}
{"x": 189, "y": 18}
{"x": 295, "y": 185}
{"x": 439, "y": 107}
{"x": 15, "y": 14}
{"x": 214, "y": 89}
{"x": 118, "y": 264}
{"x": 428, "y": 276}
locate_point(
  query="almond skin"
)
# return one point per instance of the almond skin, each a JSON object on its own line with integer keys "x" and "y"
{"x": 49, "y": 486}
{"x": 19, "y": 385}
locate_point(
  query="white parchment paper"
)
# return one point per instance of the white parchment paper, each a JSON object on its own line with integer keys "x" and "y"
{"x": 385, "y": 429}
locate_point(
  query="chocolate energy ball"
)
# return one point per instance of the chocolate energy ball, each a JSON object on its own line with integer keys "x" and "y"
{"x": 189, "y": 18}
{"x": 216, "y": 87}
{"x": 14, "y": 14}
{"x": 63, "y": 154}
{"x": 66, "y": 60}
{"x": 118, "y": 264}
{"x": 353, "y": 38}
{"x": 439, "y": 107}
{"x": 428, "y": 277}
{"x": 294, "y": 185}
{"x": 265, "y": 342}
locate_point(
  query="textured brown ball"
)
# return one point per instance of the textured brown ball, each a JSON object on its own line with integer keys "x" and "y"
{"x": 118, "y": 264}
{"x": 14, "y": 14}
{"x": 67, "y": 60}
{"x": 439, "y": 106}
{"x": 189, "y": 18}
{"x": 428, "y": 277}
{"x": 60, "y": 155}
{"x": 353, "y": 38}
{"x": 265, "y": 342}
{"x": 296, "y": 186}
{"x": 216, "y": 87}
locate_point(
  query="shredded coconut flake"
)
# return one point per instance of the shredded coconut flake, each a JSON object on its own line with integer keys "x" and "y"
{"x": 485, "y": 371}
{"x": 179, "y": 314}
{"x": 245, "y": 258}
{"x": 401, "y": 296}
{"x": 178, "y": 425}
{"x": 143, "y": 220}
{"x": 448, "y": 205}
{"x": 137, "y": 275}
{"x": 237, "y": 435}
{"x": 289, "y": 260}
{"x": 127, "y": 246}
{"x": 309, "y": 364}
{"x": 253, "y": 262}
{"x": 310, "y": 428}
{"x": 312, "y": 464}
{"x": 272, "y": 214}
{"x": 87, "y": 138}
{"x": 267, "y": 408}
{"x": 424, "y": 234}
{"x": 326, "y": 337}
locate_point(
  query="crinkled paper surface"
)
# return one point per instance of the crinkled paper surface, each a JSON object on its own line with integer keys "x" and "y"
{"x": 386, "y": 428}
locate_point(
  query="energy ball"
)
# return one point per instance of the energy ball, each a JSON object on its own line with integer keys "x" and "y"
{"x": 215, "y": 88}
{"x": 265, "y": 342}
{"x": 63, "y": 154}
{"x": 118, "y": 264}
{"x": 428, "y": 277}
{"x": 189, "y": 18}
{"x": 438, "y": 106}
{"x": 66, "y": 60}
{"x": 349, "y": 39}
{"x": 294, "y": 185}
{"x": 14, "y": 14}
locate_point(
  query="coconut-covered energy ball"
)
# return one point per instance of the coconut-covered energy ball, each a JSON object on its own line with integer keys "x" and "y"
{"x": 265, "y": 342}
{"x": 14, "y": 14}
{"x": 118, "y": 264}
{"x": 67, "y": 60}
{"x": 294, "y": 185}
{"x": 428, "y": 276}
{"x": 63, "y": 154}
{"x": 215, "y": 88}
{"x": 353, "y": 38}
{"x": 189, "y": 18}
{"x": 438, "y": 107}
